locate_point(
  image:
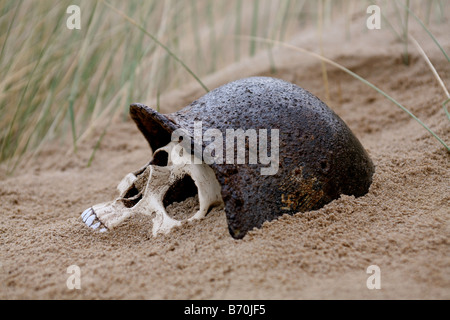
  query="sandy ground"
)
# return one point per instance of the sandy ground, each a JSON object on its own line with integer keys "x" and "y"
{"x": 402, "y": 225}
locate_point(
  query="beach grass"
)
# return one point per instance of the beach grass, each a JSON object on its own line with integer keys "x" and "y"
{"x": 64, "y": 86}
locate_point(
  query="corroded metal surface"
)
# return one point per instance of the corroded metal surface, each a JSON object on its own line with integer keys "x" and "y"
{"x": 319, "y": 157}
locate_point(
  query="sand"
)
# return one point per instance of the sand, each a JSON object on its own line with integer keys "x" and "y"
{"x": 402, "y": 225}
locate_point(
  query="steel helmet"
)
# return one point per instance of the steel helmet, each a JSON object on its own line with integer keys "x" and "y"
{"x": 319, "y": 158}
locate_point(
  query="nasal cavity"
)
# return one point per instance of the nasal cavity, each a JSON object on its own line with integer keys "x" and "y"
{"x": 160, "y": 159}
{"x": 181, "y": 199}
{"x": 135, "y": 192}
{"x": 132, "y": 197}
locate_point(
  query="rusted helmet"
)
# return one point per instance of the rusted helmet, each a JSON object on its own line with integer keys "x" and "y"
{"x": 319, "y": 158}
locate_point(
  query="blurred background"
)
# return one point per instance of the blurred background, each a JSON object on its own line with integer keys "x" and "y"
{"x": 57, "y": 83}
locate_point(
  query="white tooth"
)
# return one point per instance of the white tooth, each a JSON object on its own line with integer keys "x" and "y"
{"x": 87, "y": 216}
{"x": 90, "y": 220}
{"x": 103, "y": 230}
{"x": 95, "y": 226}
{"x": 85, "y": 212}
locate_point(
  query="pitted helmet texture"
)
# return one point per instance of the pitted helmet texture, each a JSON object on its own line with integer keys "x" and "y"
{"x": 319, "y": 157}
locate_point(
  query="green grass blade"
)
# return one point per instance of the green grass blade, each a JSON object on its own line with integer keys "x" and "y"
{"x": 405, "y": 34}
{"x": 254, "y": 27}
{"x": 387, "y": 22}
{"x": 315, "y": 55}
{"x": 444, "y": 105}
{"x": 20, "y": 105}
{"x": 429, "y": 33}
{"x": 169, "y": 52}
{"x": 237, "y": 31}
{"x": 9, "y": 30}
{"x": 73, "y": 126}
{"x": 97, "y": 145}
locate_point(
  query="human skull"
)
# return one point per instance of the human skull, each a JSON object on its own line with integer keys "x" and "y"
{"x": 170, "y": 176}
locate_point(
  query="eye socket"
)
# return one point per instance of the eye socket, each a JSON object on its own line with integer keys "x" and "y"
{"x": 134, "y": 194}
{"x": 182, "y": 190}
{"x": 160, "y": 159}
{"x": 132, "y": 197}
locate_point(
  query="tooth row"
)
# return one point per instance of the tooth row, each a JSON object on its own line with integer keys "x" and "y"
{"x": 90, "y": 219}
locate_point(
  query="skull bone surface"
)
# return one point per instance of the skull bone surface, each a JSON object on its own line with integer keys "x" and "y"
{"x": 171, "y": 176}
